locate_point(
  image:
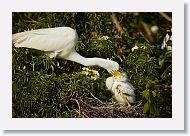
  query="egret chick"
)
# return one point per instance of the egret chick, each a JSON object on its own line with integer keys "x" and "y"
{"x": 60, "y": 42}
{"x": 122, "y": 89}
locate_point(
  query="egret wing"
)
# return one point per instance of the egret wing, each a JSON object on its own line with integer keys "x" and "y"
{"x": 50, "y": 39}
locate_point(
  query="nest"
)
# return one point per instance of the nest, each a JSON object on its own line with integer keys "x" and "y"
{"x": 94, "y": 108}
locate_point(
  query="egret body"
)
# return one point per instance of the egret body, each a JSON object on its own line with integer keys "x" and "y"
{"x": 122, "y": 89}
{"x": 60, "y": 42}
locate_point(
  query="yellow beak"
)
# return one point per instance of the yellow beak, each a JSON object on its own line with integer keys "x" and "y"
{"x": 116, "y": 73}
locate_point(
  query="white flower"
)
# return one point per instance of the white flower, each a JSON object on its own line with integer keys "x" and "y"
{"x": 96, "y": 73}
{"x": 169, "y": 48}
{"x": 93, "y": 74}
{"x": 164, "y": 43}
{"x": 85, "y": 72}
{"x": 154, "y": 29}
{"x": 134, "y": 48}
{"x": 95, "y": 77}
{"x": 103, "y": 38}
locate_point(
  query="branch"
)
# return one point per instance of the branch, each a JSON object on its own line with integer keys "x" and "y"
{"x": 30, "y": 20}
{"x": 118, "y": 27}
{"x": 147, "y": 30}
{"x": 166, "y": 16}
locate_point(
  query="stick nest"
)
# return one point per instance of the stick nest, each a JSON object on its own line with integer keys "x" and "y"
{"x": 94, "y": 108}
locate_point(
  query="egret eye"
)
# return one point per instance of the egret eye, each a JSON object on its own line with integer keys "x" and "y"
{"x": 116, "y": 73}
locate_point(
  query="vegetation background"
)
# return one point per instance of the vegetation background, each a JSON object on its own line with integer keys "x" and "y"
{"x": 53, "y": 88}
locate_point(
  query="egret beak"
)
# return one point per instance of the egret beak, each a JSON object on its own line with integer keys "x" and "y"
{"x": 116, "y": 73}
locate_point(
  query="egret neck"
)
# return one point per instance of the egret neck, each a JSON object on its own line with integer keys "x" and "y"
{"x": 109, "y": 65}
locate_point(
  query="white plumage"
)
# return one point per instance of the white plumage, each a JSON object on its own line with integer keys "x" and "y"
{"x": 122, "y": 89}
{"x": 59, "y": 42}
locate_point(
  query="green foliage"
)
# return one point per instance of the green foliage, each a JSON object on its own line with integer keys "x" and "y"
{"x": 143, "y": 64}
{"x": 44, "y": 87}
{"x": 150, "y": 107}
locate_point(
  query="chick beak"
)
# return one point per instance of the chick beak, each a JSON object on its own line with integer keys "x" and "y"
{"x": 116, "y": 73}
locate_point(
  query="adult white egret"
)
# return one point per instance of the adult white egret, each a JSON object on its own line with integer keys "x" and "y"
{"x": 121, "y": 88}
{"x": 60, "y": 42}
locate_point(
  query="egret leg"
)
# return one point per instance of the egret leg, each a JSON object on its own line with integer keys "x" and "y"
{"x": 126, "y": 99}
{"x": 123, "y": 95}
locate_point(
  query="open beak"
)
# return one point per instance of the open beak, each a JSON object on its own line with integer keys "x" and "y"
{"x": 116, "y": 73}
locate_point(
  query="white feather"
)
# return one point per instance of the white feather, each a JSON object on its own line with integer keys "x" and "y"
{"x": 120, "y": 87}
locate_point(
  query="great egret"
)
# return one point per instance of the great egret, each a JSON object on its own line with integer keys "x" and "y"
{"x": 60, "y": 42}
{"x": 121, "y": 88}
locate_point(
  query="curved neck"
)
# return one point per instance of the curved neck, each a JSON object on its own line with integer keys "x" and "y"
{"x": 87, "y": 61}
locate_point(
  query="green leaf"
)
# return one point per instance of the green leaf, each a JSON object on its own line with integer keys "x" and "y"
{"x": 154, "y": 93}
{"x": 146, "y": 94}
{"x": 146, "y": 108}
{"x": 152, "y": 109}
{"x": 156, "y": 112}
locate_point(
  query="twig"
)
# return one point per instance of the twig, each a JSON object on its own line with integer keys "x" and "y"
{"x": 149, "y": 33}
{"x": 78, "y": 105}
{"x": 96, "y": 98}
{"x": 118, "y": 26}
{"x": 31, "y": 20}
{"x": 162, "y": 76}
{"x": 116, "y": 23}
{"x": 85, "y": 114}
{"x": 92, "y": 94}
{"x": 138, "y": 104}
{"x": 165, "y": 87}
{"x": 165, "y": 16}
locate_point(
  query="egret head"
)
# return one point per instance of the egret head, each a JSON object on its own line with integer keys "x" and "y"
{"x": 119, "y": 75}
{"x": 113, "y": 68}
{"x": 116, "y": 73}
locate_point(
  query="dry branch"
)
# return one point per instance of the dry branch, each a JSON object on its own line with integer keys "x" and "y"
{"x": 165, "y": 16}
{"x": 30, "y": 20}
{"x": 147, "y": 30}
{"x": 118, "y": 27}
